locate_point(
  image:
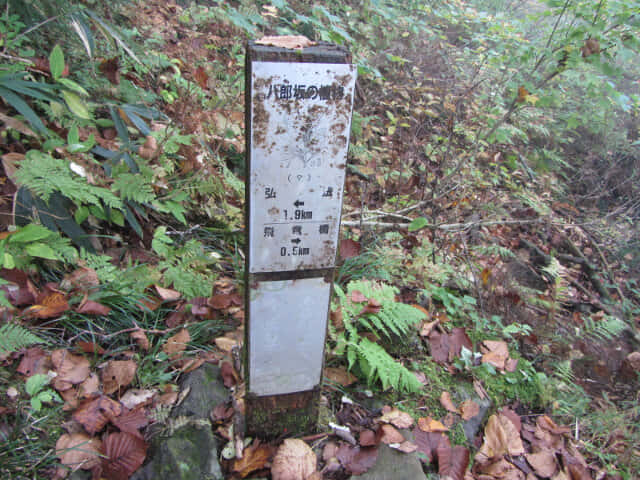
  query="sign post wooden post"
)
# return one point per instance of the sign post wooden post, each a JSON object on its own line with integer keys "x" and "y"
{"x": 298, "y": 117}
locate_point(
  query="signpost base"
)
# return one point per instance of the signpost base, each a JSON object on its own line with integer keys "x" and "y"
{"x": 277, "y": 415}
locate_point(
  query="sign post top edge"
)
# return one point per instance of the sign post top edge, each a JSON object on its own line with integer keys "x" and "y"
{"x": 321, "y": 52}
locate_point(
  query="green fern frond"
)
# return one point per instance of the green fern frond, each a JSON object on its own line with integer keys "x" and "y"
{"x": 378, "y": 365}
{"x": 13, "y": 337}
{"x": 43, "y": 175}
{"x": 494, "y": 250}
{"x": 134, "y": 187}
{"x": 607, "y": 328}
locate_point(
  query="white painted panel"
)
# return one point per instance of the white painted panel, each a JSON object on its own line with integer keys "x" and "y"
{"x": 300, "y": 124}
{"x": 286, "y": 335}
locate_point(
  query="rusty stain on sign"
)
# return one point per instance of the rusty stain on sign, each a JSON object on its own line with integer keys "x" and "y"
{"x": 300, "y": 121}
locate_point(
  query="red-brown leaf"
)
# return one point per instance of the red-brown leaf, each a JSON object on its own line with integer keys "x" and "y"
{"x": 452, "y": 462}
{"x": 110, "y": 69}
{"x": 357, "y": 460}
{"x": 229, "y": 375}
{"x": 132, "y": 421}
{"x": 125, "y": 453}
{"x": 89, "y": 307}
{"x": 428, "y": 442}
{"x": 94, "y": 414}
{"x": 201, "y": 77}
{"x": 349, "y": 248}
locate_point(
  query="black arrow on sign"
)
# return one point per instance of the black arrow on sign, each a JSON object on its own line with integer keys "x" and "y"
{"x": 298, "y": 203}
{"x": 296, "y": 240}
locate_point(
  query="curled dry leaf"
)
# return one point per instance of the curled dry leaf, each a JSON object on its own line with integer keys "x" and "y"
{"x": 286, "y": 41}
{"x": 340, "y": 376}
{"x": 495, "y": 353}
{"x": 124, "y": 454}
{"x": 447, "y": 403}
{"x": 118, "y": 373}
{"x": 177, "y": 343}
{"x": 225, "y": 343}
{"x": 83, "y": 279}
{"x": 428, "y": 424}
{"x": 70, "y": 369}
{"x": 94, "y": 414}
{"x": 78, "y": 450}
{"x": 167, "y": 294}
{"x": 543, "y": 462}
{"x": 134, "y": 397}
{"x": 501, "y": 437}
{"x": 229, "y": 375}
{"x": 367, "y": 438}
{"x": 89, "y": 387}
{"x": 396, "y": 417}
{"x": 357, "y": 460}
{"x": 34, "y": 360}
{"x": 294, "y": 461}
{"x": 389, "y": 435}
{"x": 469, "y": 409}
{"x": 89, "y": 307}
{"x": 50, "y": 306}
{"x": 405, "y": 447}
{"x": 141, "y": 339}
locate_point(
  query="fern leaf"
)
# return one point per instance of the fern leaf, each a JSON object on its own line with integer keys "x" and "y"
{"x": 13, "y": 337}
{"x": 607, "y": 328}
{"x": 134, "y": 187}
{"x": 43, "y": 175}
{"x": 378, "y": 365}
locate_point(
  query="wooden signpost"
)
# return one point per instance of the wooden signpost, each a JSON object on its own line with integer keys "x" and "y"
{"x": 298, "y": 118}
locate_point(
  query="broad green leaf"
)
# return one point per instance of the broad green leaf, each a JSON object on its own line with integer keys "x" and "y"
{"x": 56, "y": 62}
{"x": 8, "y": 262}
{"x": 76, "y": 105}
{"x": 82, "y": 213}
{"x": 35, "y": 383}
{"x": 71, "y": 85}
{"x": 117, "y": 217}
{"x": 30, "y": 233}
{"x": 418, "y": 223}
{"x": 41, "y": 250}
{"x": 21, "y": 106}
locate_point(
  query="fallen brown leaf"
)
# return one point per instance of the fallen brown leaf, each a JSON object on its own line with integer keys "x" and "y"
{"x": 124, "y": 453}
{"x": 117, "y": 374}
{"x": 452, "y": 462}
{"x": 340, "y": 376}
{"x": 50, "y": 306}
{"x": 294, "y": 460}
{"x": 349, "y": 248}
{"x": 89, "y": 307}
{"x": 367, "y": 438}
{"x": 501, "y": 437}
{"x": 141, "y": 339}
{"x": 428, "y": 424}
{"x": 543, "y": 462}
{"x": 357, "y": 460}
{"x": 428, "y": 442}
{"x": 93, "y": 414}
{"x": 78, "y": 450}
{"x": 405, "y": 447}
{"x": 167, "y": 294}
{"x": 396, "y": 417}
{"x": 388, "y": 434}
{"x": 447, "y": 403}
{"x": 177, "y": 343}
{"x": 469, "y": 409}
{"x": 70, "y": 369}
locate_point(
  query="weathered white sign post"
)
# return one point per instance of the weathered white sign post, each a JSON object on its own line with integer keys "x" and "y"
{"x": 298, "y": 117}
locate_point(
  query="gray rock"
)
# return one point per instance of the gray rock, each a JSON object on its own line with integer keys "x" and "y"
{"x": 472, "y": 426}
{"x": 394, "y": 465}
{"x": 206, "y": 391}
{"x": 191, "y": 453}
